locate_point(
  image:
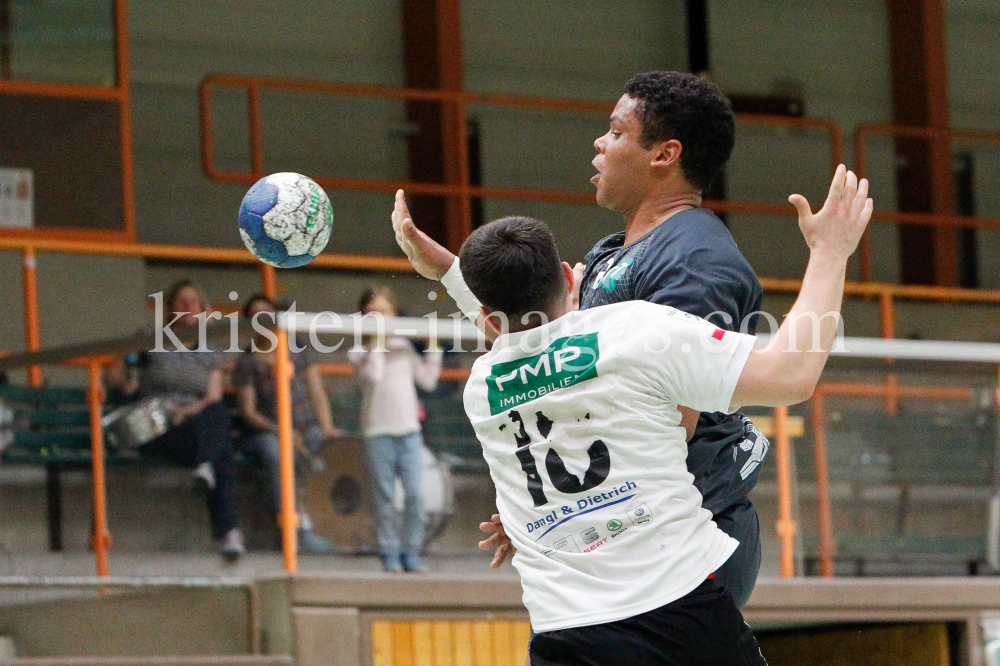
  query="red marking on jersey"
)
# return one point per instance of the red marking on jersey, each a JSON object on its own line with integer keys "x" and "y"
{"x": 718, "y": 334}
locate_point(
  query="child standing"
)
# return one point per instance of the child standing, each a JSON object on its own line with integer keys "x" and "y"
{"x": 389, "y": 371}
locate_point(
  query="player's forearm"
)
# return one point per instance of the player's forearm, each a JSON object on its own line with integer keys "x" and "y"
{"x": 467, "y": 302}
{"x": 786, "y": 372}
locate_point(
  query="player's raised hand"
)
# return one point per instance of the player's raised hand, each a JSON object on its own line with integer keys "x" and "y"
{"x": 429, "y": 258}
{"x": 498, "y": 541}
{"x": 838, "y": 226}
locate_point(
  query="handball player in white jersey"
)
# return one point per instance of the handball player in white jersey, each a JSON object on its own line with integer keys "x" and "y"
{"x": 668, "y": 137}
{"x": 577, "y": 413}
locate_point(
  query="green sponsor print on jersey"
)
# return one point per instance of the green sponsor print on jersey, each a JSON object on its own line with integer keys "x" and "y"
{"x": 614, "y": 524}
{"x": 610, "y": 279}
{"x": 565, "y": 362}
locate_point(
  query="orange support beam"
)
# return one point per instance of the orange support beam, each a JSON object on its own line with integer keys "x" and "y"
{"x": 786, "y": 522}
{"x": 289, "y": 519}
{"x": 438, "y": 150}
{"x": 924, "y": 178}
{"x": 32, "y": 336}
{"x": 269, "y": 281}
{"x": 256, "y": 139}
{"x": 826, "y": 543}
{"x": 102, "y": 536}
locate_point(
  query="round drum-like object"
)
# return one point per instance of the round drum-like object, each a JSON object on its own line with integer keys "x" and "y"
{"x": 340, "y": 499}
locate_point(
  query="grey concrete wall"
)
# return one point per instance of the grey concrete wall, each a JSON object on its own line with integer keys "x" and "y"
{"x": 169, "y": 622}
{"x": 836, "y": 56}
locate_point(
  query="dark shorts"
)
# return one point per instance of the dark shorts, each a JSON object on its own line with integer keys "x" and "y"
{"x": 739, "y": 574}
{"x": 703, "y": 628}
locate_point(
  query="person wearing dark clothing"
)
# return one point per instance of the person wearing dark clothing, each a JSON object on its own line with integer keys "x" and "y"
{"x": 190, "y": 382}
{"x": 311, "y": 418}
{"x": 670, "y": 134}
{"x": 691, "y": 262}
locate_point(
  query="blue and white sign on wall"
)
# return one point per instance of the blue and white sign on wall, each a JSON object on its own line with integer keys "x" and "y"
{"x": 17, "y": 198}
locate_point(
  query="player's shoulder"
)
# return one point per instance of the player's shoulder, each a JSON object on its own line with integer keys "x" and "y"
{"x": 659, "y": 315}
{"x": 692, "y": 230}
{"x": 696, "y": 242}
{"x": 633, "y": 320}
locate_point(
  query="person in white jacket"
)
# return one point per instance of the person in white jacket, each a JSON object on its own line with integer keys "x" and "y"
{"x": 390, "y": 371}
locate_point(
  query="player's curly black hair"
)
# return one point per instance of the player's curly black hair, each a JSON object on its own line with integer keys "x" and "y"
{"x": 676, "y": 105}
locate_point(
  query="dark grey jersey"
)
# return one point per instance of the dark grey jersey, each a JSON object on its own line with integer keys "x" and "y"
{"x": 691, "y": 262}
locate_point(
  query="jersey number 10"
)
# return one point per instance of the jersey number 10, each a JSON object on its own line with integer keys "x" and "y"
{"x": 561, "y": 478}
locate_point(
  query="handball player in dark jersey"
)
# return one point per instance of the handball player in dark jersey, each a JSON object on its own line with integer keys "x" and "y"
{"x": 670, "y": 134}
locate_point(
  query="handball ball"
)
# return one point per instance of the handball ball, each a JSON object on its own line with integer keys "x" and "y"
{"x": 286, "y": 220}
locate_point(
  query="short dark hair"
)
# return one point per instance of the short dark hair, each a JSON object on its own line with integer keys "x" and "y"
{"x": 676, "y": 105}
{"x": 512, "y": 266}
{"x": 372, "y": 292}
{"x": 174, "y": 290}
{"x": 254, "y": 300}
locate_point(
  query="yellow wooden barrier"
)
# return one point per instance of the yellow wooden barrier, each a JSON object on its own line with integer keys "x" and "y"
{"x": 450, "y": 643}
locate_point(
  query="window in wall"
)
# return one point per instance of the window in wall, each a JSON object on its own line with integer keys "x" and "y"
{"x": 59, "y": 41}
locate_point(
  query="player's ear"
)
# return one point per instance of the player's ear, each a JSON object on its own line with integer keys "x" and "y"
{"x": 568, "y": 274}
{"x": 492, "y": 322}
{"x": 668, "y": 153}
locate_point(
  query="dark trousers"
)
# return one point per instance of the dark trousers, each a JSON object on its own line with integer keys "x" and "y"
{"x": 703, "y": 628}
{"x": 739, "y": 574}
{"x": 205, "y": 437}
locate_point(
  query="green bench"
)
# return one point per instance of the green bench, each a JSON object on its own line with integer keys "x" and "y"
{"x": 51, "y": 427}
{"x": 911, "y": 451}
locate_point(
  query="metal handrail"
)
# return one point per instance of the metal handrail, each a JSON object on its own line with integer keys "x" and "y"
{"x": 463, "y": 191}
{"x": 887, "y": 293}
{"x": 947, "y": 135}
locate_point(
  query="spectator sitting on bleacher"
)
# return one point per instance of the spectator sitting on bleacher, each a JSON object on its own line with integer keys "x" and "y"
{"x": 200, "y": 435}
{"x": 311, "y": 418}
{"x": 389, "y": 371}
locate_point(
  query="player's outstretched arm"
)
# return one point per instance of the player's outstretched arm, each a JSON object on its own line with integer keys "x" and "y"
{"x": 429, "y": 258}
{"x": 787, "y": 371}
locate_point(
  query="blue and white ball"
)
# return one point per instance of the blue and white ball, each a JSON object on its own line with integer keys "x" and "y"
{"x": 286, "y": 220}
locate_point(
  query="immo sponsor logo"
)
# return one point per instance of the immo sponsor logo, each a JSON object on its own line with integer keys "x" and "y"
{"x": 565, "y": 362}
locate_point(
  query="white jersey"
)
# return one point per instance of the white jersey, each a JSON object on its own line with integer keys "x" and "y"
{"x": 579, "y": 424}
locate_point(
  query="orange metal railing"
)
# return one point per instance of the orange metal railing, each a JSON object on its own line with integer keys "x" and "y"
{"x": 891, "y": 391}
{"x": 118, "y": 244}
{"x": 110, "y": 243}
{"x": 947, "y": 136}
{"x": 462, "y": 191}
{"x": 886, "y": 293}
{"x": 28, "y": 248}
{"x": 120, "y": 93}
